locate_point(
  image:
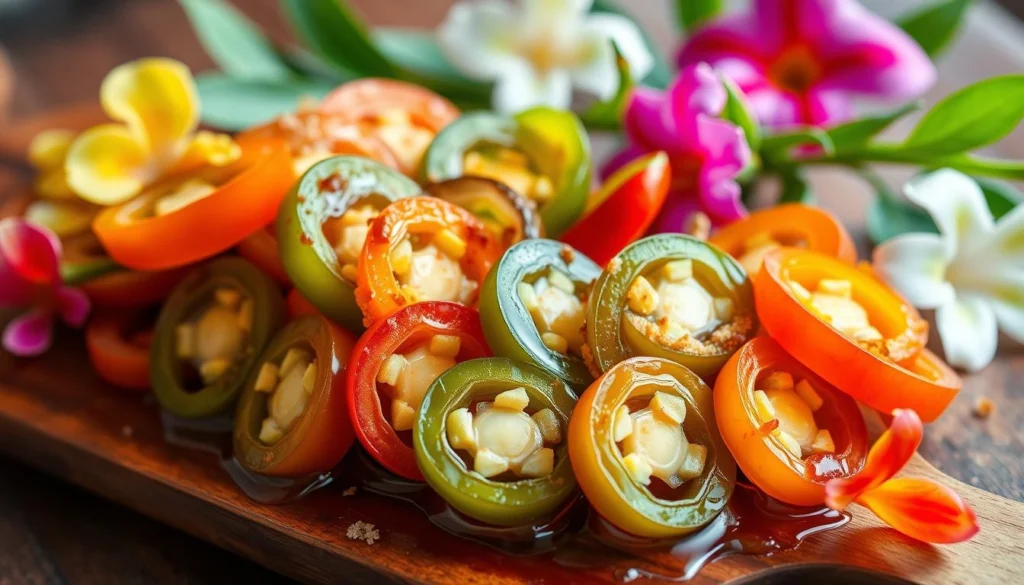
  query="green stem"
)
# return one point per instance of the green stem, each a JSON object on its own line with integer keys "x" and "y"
{"x": 892, "y": 153}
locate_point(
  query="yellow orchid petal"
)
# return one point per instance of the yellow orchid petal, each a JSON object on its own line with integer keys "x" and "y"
{"x": 209, "y": 148}
{"x": 63, "y": 218}
{"x": 158, "y": 100}
{"x": 53, "y": 184}
{"x": 48, "y": 149}
{"x": 108, "y": 165}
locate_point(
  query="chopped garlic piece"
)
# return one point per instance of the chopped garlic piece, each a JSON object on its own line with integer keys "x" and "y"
{"x": 391, "y": 368}
{"x": 556, "y": 310}
{"x": 445, "y": 345}
{"x": 184, "y": 195}
{"x": 435, "y": 276}
{"x": 554, "y": 342}
{"x": 867, "y": 334}
{"x": 724, "y": 308}
{"x": 227, "y": 297}
{"x": 778, "y": 381}
{"x": 293, "y": 357}
{"x": 560, "y": 281}
{"x": 270, "y": 433}
{"x": 266, "y": 381}
{"x": 763, "y": 406}
{"x": 799, "y": 291}
{"x": 309, "y": 378}
{"x": 808, "y": 394}
{"x": 403, "y": 415}
{"x": 823, "y": 442}
{"x": 246, "y": 315}
{"x": 788, "y": 442}
{"x": 489, "y": 464}
{"x": 669, "y": 407}
{"x": 638, "y": 468}
{"x": 459, "y": 429}
{"x": 550, "y": 429}
{"x": 210, "y": 370}
{"x": 794, "y": 416}
{"x": 687, "y": 304}
{"x": 528, "y": 295}
{"x": 677, "y": 270}
{"x": 217, "y": 334}
{"x": 186, "y": 340}
{"x": 515, "y": 399}
{"x": 401, "y": 258}
{"x": 642, "y": 297}
{"x": 622, "y": 424}
{"x": 540, "y": 464}
{"x": 693, "y": 465}
{"x": 839, "y": 288}
{"x": 450, "y": 243}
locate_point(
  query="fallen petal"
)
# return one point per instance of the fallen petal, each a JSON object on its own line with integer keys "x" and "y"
{"x": 29, "y": 334}
{"x": 922, "y": 509}
{"x": 887, "y": 457}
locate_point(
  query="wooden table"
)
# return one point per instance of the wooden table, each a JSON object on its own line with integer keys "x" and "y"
{"x": 54, "y": 533}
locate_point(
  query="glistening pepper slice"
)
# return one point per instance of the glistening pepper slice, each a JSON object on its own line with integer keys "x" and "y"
{"x": 490, "y": 439}
{"x": 394, "y": 363}
{"x": 625, "y": 207}
{"x": 789, "y": 431}
{"x": 323, "y": 223}
{"x": 404, "y": 116}
{"x": 291, "y": 419}
{"x": 533, "y": 305}
{"x": 850, "y": 329}
{"x": 118, "y": 343}
{"x": 541, "y": 153}
{"x": 509, "y": 215}
{"x": 423, "y": 249}
{"x": 670, "y": 296}
{"x": 209, "y": 335}
{"x": 797, "y": 225}
{"x": 646, "y": 449}
{"x": 182, "y": 220}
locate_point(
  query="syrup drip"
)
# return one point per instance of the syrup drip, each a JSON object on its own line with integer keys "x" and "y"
{"x": 576, "y": 536}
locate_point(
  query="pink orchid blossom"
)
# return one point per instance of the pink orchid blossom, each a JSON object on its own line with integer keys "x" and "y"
{"x": 801, "y": 62}
{"x": 30, "y": 280}
{"x": 706, "y": 153}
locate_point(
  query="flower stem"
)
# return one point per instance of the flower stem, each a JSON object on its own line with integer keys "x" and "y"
{"x": 895, "y": 154}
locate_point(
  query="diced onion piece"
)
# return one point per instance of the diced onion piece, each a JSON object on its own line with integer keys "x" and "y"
{"x": 677, "y": 270}
{"x": 642, "y": 297}
{"x": 391, "y": 369}
{"x": 309, "y": 378}
{"x": 403, "y": 415}
{"x": 528, "y": 295}
{"x": 445, "y": 345}
{"x": 270, "y": 432}
{"x": 210, "y": 370}
{"x": 668, "y": 407}
{"x": 839, "y": 288}
{"x": 693, "y": 465}
{"x": 459, "y": 429}
{"x": 724, "y": 308}
{"x": 798, "y": 289}
{"x": 488, "y": 464}
{"x": 765, "y": 410}
{"x": 623, "y": 424}
{"x": 266, "y": 381}
{"x": 539, "y": 464}
{"x": 547, "y": 422}
{"x": 515, "y": 399}
{"x": 808, "y": 394}
{"x": 788, "y": 442}
{"x": 560, "y": 281}
{"x": 450, "y": 243}
{"x": 401, "y": 257}
{"x": 638, "y": 468}
{"x": 823, "y": 442}
{"x": 293, "y": 357}
{"x": 777, "y": 381}
{"x": 555, "y": 342}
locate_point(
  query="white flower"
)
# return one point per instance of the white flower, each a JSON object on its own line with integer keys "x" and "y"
{"x": 972, "y": 274}
{"x": 537, "y": 50}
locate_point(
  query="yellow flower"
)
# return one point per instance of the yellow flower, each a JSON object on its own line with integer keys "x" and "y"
{"x": 46, "y": 154}
{"x": 157, "y": 103}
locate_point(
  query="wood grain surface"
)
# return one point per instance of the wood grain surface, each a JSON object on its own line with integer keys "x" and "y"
{"x": 52, "y": 533}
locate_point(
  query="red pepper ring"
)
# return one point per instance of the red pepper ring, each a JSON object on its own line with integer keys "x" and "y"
{"x": 627, "y": 205}
{"x": 118, "y": 345}
{"x": 406, "y": 328}
{"x": 919, "y": 381}
{"x": 123, "y": 289}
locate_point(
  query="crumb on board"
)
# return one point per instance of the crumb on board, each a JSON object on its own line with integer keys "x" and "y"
{"x": 364, "y": 531}
{"x": 127, "y": 431}
{"x": 351, "y": 491}
{"x": 983, "y": 407}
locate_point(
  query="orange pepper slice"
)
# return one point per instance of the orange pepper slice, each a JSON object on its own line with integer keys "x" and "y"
{"x": 378, "y": 291}
{"x": 118, "y": 350}
{"x": 916, "y": 380}
{"x": 246, "y": 199}
{"x": 764, "y": 461}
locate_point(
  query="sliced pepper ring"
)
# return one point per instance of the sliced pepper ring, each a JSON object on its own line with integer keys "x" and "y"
{"x": 902, "y": 380}
{"x": 119, "y": 344}
{"x": 554, "y": 143}
{"x": 327, "y": 190}
{"x": 612, "y": 336}
{"x": 599, "y": 464}
{"x": 379, "y": 292}
{"x": 501, "y": 503}
{"x": 193, "y": 294}
{"x": 762, "y": 457}
{"x": 510, "y": 216}
{"x": 322, "y": 433}
{"x": 510, "y": 328}
{"x": 793, "y": 224}
{"x": 409, "y": 326}
{"x": 245, "y": 198}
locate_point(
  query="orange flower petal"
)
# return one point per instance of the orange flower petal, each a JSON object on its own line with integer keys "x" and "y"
{"x": 887, "y": 457}
{"x": 922, "y": 509}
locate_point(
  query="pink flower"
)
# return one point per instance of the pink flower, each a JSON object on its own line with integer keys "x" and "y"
{"x": 801, "y": 62}
{"x": 705, "y": 153}
{"x": 30, "y": 280}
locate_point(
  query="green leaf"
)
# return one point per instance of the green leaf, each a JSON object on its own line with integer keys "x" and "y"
{"x": 1012, "y": 170}
{"x": 973, "y": 117}
{"x": 1000, "y": 196}
{"x": 795, "y": 188}
{"x": 693, "y": 13}
{"x": 660, "y": 75}
{"x": 778, "y": 146}
{"x": 306, "y": 64}
{"x": 331, "y": 29}
{"x": 235, "y": 104}
{"x": 847, "y": 136}
{"x": 738, "y": 111}
{"x": 233, "y": 41}
{"x": 608, "y": 115}
{"x": 934, "y": 26}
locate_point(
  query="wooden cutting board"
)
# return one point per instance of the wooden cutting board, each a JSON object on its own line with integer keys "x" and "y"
{"x": 56, "y": 415}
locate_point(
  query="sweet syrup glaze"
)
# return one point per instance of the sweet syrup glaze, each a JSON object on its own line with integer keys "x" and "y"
{"x": 575, "y": 537}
